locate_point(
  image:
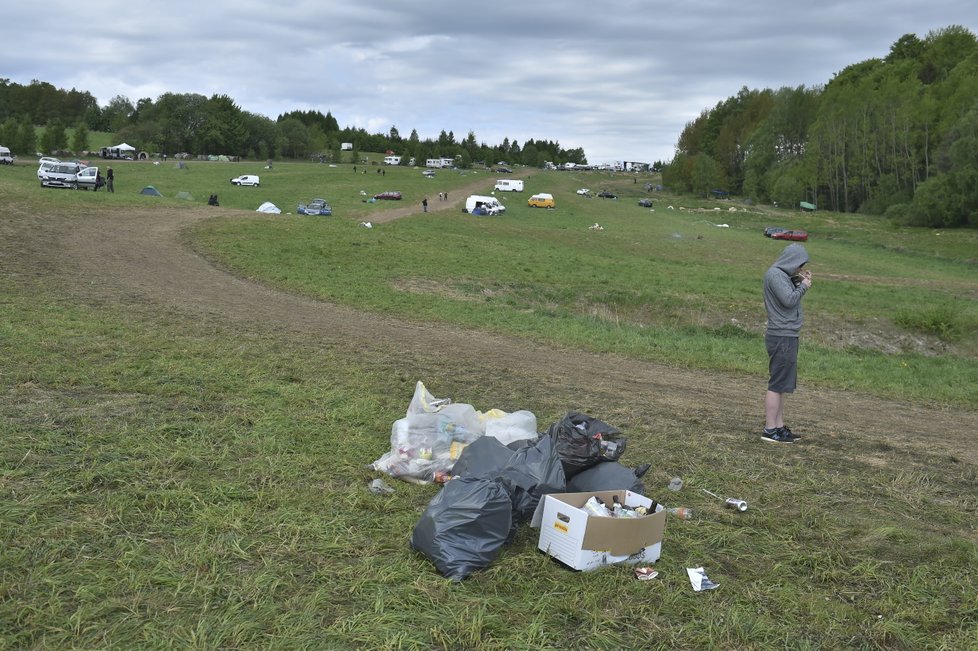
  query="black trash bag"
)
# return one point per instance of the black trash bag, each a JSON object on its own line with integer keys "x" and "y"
{"x": 482, "y": 458}
{"x": 532, "y": 472}
{"x": 464, "y": 526}
{"x": 583, "y": 441}
{"x": 608, "y": 476}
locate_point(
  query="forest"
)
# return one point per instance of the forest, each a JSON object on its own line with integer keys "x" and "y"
{"x": 896, "y": 136}
{"x": 197, "y": 125}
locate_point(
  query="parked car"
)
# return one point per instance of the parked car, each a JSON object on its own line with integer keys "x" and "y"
{"x": 584, "y": 192}
{"x": 246, "y": 179}
{"x": 59, "y": 175}
{"x": 645, "y": 203}
{"x": 428, "y": 173}
{"x": 771, "y": 230}
{"x": 541, "y": 200}
{"x": 797, "y": 236}
{"x": 504, "y": 170}
{"x": 315, "y": 207}
{"x": 607, "y": 195}
{"x": 390, "y": 196}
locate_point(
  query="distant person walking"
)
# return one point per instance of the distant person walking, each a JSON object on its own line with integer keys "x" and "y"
{"x": 785, "y": 284}
{"x": 424, "y": 204}
{"x": 109, "y": 178}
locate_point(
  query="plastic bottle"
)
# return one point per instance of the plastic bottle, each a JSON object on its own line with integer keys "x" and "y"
{"x": 675, "y": 484}
{"x": 595, "y": 506}
{"x": 681, "y": 512}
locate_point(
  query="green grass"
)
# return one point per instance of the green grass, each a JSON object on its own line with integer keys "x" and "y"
{"x": 166, "y": 484}
{"x": 668, "y": 285}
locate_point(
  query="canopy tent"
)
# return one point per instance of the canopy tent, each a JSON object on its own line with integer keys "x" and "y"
{"x": 122, "y": 150}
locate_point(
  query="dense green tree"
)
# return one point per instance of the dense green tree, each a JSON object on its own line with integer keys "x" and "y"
{"x": 117, "y": 113}
{"x": 8, "y": 133}
{"x": 79, "y": 139}
{"x": 951, "y": 198}
{"x": 294, "y": 137}
{"x": 26, "y": 142}
{"x": 55, "y": 137}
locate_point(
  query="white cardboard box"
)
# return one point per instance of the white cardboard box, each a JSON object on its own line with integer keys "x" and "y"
{"x": 586, "y": 542}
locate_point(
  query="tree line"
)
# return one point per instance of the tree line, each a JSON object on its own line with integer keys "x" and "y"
{"x": 896, "y": 136}
{"x": 197, "y": 125}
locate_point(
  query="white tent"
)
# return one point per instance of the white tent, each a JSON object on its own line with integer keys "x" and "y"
{"x": 124, "y": 147}
{"x": 269, "y": 207}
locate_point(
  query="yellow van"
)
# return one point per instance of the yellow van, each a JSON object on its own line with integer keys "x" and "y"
{"x": 541, "y": 200}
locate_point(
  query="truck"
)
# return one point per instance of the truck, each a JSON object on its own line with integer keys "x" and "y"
{"x": 509, "y": 185}
{"x": 481, "y": 205}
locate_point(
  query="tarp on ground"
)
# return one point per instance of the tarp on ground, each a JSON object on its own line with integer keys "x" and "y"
{"x": 151, "y": 191}
{"x": 269, "y": 207}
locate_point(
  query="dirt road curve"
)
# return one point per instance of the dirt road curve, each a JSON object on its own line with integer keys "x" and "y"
{"x": 141, "y": 260}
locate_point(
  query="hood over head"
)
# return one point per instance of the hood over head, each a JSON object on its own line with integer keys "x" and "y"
{"x": 793, "y": 256}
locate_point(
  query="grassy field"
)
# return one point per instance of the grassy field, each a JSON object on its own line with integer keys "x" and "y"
{"x": 187, "y": 485}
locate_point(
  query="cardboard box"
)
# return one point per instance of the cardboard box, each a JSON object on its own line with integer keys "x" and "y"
{"x": 586, "y": 542}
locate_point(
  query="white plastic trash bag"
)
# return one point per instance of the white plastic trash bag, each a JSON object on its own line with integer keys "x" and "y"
{"x": 516, "y": 426}
{"x": 427, "y": 442}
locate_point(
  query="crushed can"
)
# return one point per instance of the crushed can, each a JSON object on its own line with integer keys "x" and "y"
{"x": 735, "y": 504}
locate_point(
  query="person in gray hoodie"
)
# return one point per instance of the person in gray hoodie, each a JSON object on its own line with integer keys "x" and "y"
{"x": 785, "y": 283}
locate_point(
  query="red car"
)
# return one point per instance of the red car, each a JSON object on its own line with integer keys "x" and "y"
{"x": 797, "y": 236}
{"x": 390, "y": 196}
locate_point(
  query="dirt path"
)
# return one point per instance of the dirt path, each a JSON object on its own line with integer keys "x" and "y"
{"x": 140, "y": 260}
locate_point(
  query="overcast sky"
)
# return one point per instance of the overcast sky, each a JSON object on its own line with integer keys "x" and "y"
{"x": 618, "y": 78}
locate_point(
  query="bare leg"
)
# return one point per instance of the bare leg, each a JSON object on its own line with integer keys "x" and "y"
{"x": 773, "y": 410}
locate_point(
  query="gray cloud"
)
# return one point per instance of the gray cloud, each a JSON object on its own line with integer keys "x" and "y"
{"x": 619, "y": 79}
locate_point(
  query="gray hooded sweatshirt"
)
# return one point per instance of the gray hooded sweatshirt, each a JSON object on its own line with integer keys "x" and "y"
{"x": 782, "y": 298}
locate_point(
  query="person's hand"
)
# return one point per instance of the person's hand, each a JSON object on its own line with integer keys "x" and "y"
{"x": 806, "y": 278}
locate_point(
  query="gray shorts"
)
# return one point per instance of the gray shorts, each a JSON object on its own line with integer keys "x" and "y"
{"x": 782, "y": 354}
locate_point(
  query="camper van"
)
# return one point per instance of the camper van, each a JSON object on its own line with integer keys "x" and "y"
{"x": 392, "y": 160}
{"x": 5, "y": 157}
{"x": 509, "y": 185}
{"x": 541, "y": 200}
{"x": 480, "y": 205}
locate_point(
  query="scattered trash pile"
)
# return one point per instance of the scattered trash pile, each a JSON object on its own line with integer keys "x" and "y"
{"x": 495, "y": 468}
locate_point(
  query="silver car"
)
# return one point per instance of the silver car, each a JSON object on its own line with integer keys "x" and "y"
{"x": 59, "y": 175}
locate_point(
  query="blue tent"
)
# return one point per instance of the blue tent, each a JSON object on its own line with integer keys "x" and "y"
{"x": 151, "y": 191}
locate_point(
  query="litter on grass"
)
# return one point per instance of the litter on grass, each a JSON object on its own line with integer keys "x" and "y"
{"x": 381, "y": 487}
{"x": 645, "y": 573}
{"x": 496, "y": 469}
{"x": 699, "y": 580}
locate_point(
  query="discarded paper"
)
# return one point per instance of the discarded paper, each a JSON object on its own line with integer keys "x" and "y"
{"x": 699, "y": 580}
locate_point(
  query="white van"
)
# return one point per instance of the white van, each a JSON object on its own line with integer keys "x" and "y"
{"x": 509, "y": 185}
{"x": 480, "y": 205}
{"x": 5, "y": 157}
